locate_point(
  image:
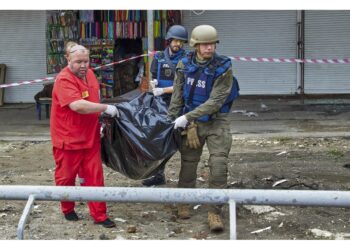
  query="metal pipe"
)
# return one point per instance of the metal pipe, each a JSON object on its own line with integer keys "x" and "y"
{"x": 179, "y": 195}
{"x": 23, "y": 220}
{"x": 302, "y": 52}
{"x": 233, "y": 220}
{"x": 298, "y": 48}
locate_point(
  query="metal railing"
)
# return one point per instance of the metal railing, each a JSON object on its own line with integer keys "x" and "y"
{"x": 173, "y": 195}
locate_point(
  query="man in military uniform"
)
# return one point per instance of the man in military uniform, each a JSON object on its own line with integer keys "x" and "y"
{"x": 163, "y": 72}
{"x": 200, "y": 104}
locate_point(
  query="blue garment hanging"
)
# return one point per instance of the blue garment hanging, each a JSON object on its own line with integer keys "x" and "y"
{"x": 110, "y": 30}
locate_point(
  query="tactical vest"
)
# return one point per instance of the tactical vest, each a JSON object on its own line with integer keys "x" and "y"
{"x": 204, "y": 78}
{"x": 166, "y": 67}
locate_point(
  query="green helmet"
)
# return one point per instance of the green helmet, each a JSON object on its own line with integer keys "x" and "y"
{"x": 203, "y": 34}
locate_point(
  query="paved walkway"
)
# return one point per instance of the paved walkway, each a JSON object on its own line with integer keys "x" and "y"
{"x": 251, "y": 117}
{"x": 291, "y": 117}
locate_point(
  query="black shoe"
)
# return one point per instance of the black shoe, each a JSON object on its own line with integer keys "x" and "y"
{"x": 71, "y": 216}
{"x": 158, "y": 179}
{"x": 106, "y": 223}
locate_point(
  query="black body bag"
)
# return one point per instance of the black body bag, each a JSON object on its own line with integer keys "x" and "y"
{"x": 141, "y": 139}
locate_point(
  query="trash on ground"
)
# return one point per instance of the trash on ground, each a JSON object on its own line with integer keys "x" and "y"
{"x": 261, "y": 230}
{"x": 318, "y": 233}
{"x": 279, "y": 182}
{"x": 282, "y": 153}
{"x": 251, "y": 114}
{"x": 239, "y": 111}
{"x": 200, "y": 179}
{"x": 259, "y": 209}
{"x": 196, "y": 207}
{"x": 120, "y": 220}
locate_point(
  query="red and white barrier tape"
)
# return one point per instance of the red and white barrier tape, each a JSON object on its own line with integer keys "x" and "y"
{"x": 234, "y": 58}
{"x": 121, "y": 61}
{"x": 289, "y": 60}
{"x": 53, "y": 77}
{"x": 27, "y": 82}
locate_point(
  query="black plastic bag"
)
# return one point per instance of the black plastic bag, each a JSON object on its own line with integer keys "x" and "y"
{"x": 136, "y": 143}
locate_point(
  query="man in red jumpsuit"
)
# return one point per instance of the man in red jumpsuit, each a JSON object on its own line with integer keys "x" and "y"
{"x": 75, "y": 131}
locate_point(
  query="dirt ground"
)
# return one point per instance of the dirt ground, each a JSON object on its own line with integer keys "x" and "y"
{"x": 255, "y": 163}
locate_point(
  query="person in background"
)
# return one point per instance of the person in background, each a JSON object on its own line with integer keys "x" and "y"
{"x": 75, "y": 131}
{"x": 163, "y": 72}
{"x": 200, "y": 104}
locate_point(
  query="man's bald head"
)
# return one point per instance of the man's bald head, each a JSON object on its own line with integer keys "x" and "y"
{"x": 78, "y": 60}
{"x": 67, "y": 48}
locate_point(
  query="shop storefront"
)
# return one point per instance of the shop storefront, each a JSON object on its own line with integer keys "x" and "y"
{"x": 275, "y": 34}
{"x": 327, "y": 35}
{"x": 32, "y": 43}
{"x": 110, "y": 35}
{"x": 255, "y": 34}
{"x": 23, "y": 50}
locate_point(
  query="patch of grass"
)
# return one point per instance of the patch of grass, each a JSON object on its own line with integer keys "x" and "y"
{"x": 336, "y": 154}
{"x": 282, "y": 139}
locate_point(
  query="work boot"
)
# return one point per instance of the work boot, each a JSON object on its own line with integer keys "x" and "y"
{"x": 71, "y": 216}
{"x": 106, "y": 223}
{"x": 183, "y": 211}
{"x": 215, "y": 222}
{"x": 158, "y": 179}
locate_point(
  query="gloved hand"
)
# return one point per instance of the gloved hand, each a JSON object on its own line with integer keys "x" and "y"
{"x": 158, "y": 91}
{"x": 153, "y": 83}
{"x": 112, "y": 111}
{"x": 192, "y": 136}
{"x": 180, "y": 122}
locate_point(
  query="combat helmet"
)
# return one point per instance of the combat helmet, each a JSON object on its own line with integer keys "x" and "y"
{"x": 203, "y": 34}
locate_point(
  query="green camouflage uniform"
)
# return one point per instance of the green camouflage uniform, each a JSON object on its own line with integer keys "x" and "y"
{"x": 216, "y": 132}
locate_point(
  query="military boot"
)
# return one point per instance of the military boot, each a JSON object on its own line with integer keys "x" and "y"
{"x": 215, "y": 222}
{"x": 183, "y": 211}
{"x": 155, "y": 180}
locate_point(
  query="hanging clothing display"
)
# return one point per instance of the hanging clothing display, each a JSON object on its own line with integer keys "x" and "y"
{"x": 86, "y": 16}
{"x": 119, "y": 24}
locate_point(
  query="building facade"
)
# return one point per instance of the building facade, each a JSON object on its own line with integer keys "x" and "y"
{"x": 311, "y": 34}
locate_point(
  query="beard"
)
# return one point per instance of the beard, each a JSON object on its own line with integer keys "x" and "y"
{"x": 174, "y": 49}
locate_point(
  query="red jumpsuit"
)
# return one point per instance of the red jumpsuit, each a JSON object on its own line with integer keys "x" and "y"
{"x": 76, "y": 137}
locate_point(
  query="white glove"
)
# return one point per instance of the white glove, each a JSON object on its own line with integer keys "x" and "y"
{"x": 112, "y": 111}
{"x": 158, "y": 91}
{"x": 153, "y": 83}
{"x": 180, "y": 122}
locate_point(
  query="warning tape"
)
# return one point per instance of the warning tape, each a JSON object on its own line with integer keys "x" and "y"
{"x": 235, "y": 58}
{"x": 46, "y": 79}
{"x": 290, "y": 60}
{"x": 27, "y": 82}
{"x": 122, "y": 61}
